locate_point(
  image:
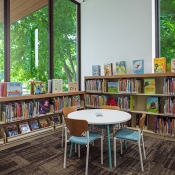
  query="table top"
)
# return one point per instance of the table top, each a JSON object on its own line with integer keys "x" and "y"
{"x": 101, "y": 116}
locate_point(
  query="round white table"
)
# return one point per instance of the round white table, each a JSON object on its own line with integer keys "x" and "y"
{"x": 102, "y": 117}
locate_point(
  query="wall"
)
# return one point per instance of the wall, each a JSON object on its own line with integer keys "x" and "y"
{"x": 116, "y": 30}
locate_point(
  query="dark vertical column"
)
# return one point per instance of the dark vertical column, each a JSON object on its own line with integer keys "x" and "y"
{"x": 51, "y": 46}
{"x": 7, "y": 40}
{"x": 79, "y": 43}
{"x": 157, "y": 27}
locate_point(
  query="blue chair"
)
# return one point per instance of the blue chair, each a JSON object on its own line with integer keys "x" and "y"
{"x": 136, "y": 136}
{"x": 112, "y": 126}
{"x": 80, "y": 135}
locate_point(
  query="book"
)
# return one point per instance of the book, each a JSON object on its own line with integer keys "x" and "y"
{"x": 11, "y": 130}
{"x": 108, "y": 69}
{"x": 121, "y": 68}
{"x": 149, "y": 86}
{"x": 132, "y": 102}
{"x": 113, "y": 87}
{"x": 57, "y": 85}
{"x": 39, "y": 87}
{"x": 138, "y": 66}
{"x": 76, "y": 101}
{"x": 160, "y": 65}
{"x": 152, "y": 104}
{"x": 96, "y": 70}
{"x": 24, "y": 127}
{"x": 43, "y": 123}
{"x": 172, "y": 65}
{"x": 33, "y": 125}
{"x": 55, "y": 119}
{"x": 3, "y": 89}
{"x": 14, "y": 89}
{"x": 44, "y": 107}
{"x": 72, "y": 86}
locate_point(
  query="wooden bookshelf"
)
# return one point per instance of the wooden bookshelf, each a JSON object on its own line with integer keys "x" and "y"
{"x": 20, "y": 138}
{"x": 141, "y": 98}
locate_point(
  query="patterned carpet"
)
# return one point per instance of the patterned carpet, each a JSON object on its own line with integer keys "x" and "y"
{"x": 44, "y": 156}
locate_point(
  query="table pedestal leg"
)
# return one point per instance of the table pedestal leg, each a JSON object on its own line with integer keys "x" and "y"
{"x": 109, "y": 148}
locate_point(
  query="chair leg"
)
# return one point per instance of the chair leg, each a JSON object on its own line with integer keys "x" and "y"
{"x": 78, "y": 150}
{"x": 144, "y": 154}
{"x": 71, "y": 147}
{"x": 101, "y": 149}
{"x": 102, "y": 132}
{"x": 121, "y": 146}
{"x": 62, "y": 132}
{"x": 114, "y": 140}
{"x": 140, "y": 153}
{"x": 125, "y": 144}
{"x": 75, "y": 148}
{"x": 65, "y": 151}
{"x": 87, "y": 159}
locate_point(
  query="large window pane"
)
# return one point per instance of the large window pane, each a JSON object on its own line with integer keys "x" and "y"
{"x": 1, "y": 40}
{"x": 29, "y": 40}
{"x": 65, "y": 41}
{"x": 167, "y": 30}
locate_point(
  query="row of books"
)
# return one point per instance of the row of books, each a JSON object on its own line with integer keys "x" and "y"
{"x": 24, "y": 127}
{"x": 169, "y": 86}
{"x": 28, "y": 109}
{"x": 164, "y": 126}
{"x": 125, "y": 103}
{"x": 8, "y": 89}
{"x": 138, "y": 67}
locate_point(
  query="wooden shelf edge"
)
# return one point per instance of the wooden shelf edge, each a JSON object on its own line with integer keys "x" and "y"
{"x": 48, "y": 95}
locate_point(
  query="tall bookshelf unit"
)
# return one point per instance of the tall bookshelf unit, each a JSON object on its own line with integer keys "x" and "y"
{"x": 96, "y": 92}
{"x": 6, "y": 141}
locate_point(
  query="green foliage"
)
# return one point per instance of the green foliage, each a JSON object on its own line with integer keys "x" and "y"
{"x": 167, "y": 30}
{"x": 22, "y": 45}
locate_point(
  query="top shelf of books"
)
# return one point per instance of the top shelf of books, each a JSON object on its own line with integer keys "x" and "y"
{"x": 47, "y": 95}
{"x": 149, "y": 75}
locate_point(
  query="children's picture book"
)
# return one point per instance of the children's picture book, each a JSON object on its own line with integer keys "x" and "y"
{"x": 108, "y": 69}
{"x": 138, "y": 66}
{"x": 172, "y": 65}
{"x": 14, "y": 89}
{"x": 24, "y": 127}
{"x": 149, "y": 86}
{"x": 43, "y": 123}
{"x": 96, "y": 70}
{"x": 76, "y": 101}
{"x": 160, "y": 65}
{"x": 57, "y": 85}
{"x": 11, "y": 130}
{"x": 121, "y": 68}
{"x": 113, "y": 87}
{"x": 152, "y": 104}
{"x": 132, "y": 102}
{"x": 55, "y": 119}
{"x": 73, "y": 86}
{"x": 39, "y": 87}
{"x": 33, "y": 125}
{"x": 44, "y": 106}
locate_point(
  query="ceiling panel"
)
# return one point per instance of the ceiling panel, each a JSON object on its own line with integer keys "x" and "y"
{"x": 21, "y": 8}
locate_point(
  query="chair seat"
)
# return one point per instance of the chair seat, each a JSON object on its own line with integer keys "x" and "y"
{"x": 127, "y": 134}
{"x": 83, "y": 140}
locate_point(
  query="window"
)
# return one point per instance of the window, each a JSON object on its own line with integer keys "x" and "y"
{"x": 29, "y": 43}
{"x": 167, "y": 30}
{"x": 33, "y": 39}
{"x": 65, "y": 41}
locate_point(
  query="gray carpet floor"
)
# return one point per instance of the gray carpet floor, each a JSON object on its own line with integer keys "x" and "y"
{"x": 44, "y": 156}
